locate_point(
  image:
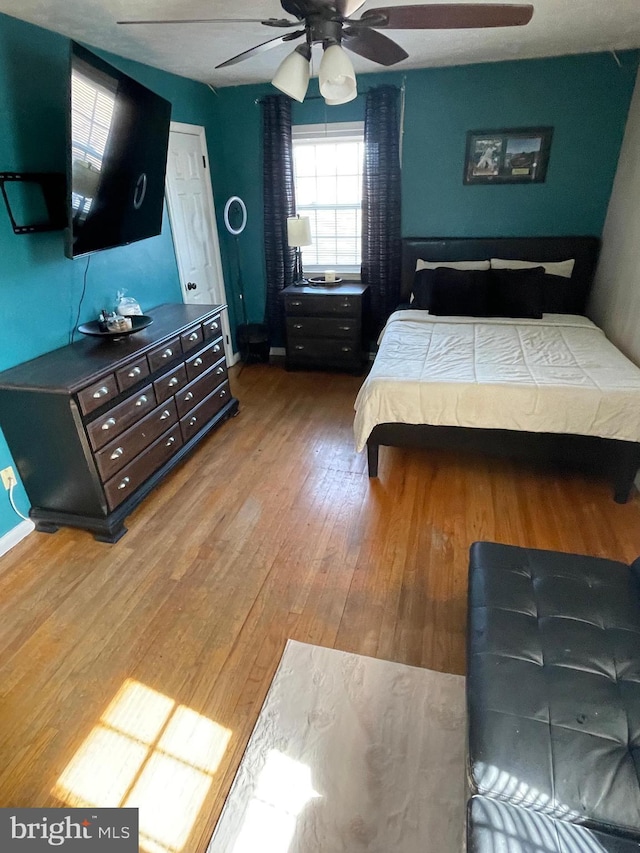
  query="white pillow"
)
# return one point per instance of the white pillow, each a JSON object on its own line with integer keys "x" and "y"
{"x": 561, "y": 268}
{"x": 452, "y": 265}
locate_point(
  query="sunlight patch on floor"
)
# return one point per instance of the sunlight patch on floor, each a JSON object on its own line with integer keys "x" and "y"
{"x": 149, "y": 753}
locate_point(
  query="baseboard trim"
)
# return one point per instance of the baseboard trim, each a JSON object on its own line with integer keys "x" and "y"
{"x": 234, "y": 359}
{"x": 15, "y": 535}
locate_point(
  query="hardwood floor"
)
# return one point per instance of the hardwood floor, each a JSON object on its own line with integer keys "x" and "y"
{"x": 134, "y": 673}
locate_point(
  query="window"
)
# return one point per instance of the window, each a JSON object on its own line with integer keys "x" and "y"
{"x": 327, "y": 162}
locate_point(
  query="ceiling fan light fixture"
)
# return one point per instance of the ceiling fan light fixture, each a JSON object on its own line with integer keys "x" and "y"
{"x": 337, "y": 77}
{"x": 345, "y": 100}
{"x": 292, "y": 76}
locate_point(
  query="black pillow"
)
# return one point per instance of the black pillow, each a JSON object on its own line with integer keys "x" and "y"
{"x": 517, "y": 293}
{"x": 423, "y": 286}
{"x": 460, "y": 293}
{"x": 562, "y": 295}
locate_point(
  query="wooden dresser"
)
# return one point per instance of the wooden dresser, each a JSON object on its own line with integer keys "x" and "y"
{"x": 325, "y": 326}
{"x": 94, "y": 426}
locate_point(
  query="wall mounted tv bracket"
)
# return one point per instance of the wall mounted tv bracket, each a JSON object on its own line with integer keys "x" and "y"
{"x": 53, "y": 186}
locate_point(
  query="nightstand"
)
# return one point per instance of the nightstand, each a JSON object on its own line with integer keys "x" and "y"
{"x": 325, "y": 326}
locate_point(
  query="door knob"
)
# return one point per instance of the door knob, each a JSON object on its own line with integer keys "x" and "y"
{"x": 191, "y": 285}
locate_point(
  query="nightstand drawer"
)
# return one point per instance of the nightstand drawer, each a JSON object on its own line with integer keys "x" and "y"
{"x": 117, "y": 419}
{"x": 322, "y": 305}
{"x": 329, "y": 350}
{"x": 323, "y": 327}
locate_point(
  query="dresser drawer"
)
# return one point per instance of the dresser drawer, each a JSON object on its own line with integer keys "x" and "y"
{"x": 322, "y": 305}
{"x": 132, "y": 373}
{"x": 98, "y": 394}
{"x": 329, "y": 350}
{"x": 164, "y": 354}
{"x": 126, "y": 447}
{"x": 212, "y": 328}
{"x": 118, "y": 488}
{"x": 197, "y": 364}
{"x": 191, "y": 338}
{"x": 170, "y": 383}
{"x": 323, "y": 327}
{"x": 201, "y": 414}
{"x": 197, "y": 390}
{"x": 117, "y": 419}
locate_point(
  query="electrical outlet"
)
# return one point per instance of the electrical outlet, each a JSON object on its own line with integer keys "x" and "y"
{"x": 8, "y": 477}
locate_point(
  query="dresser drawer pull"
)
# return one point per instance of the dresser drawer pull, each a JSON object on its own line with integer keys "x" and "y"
{"x": 346, "y": 349}
{"x": 124, "y": 483}
{"x": 346, "y": 304}
{"x": 220, "y": 371}
{"x": 170, "y": 441}
{"x": 173, "y": 382}
{"x": 167, "y": 353}
{"x": 133, "y": 373}
{"x": 142, "y": 399}
{"x": 198, "y": 362}
{"x": 166, "y": 414}
{"x": 297, "y": 325}
{"x": 117, "y": 453}
{"x": 193, "y": 336}
{"x": 101, "y": 392}
{"x": 109, "y": 423}
{"x": 296, "y": 304}
{"x": 214, "y": 326}
{"x": 188, "y": 396}
{"x": 193, "y": 420}
{"x": 216, "y": 348}
{"x": 223, "y": 393}
{"x": 298, "y": 346}
{"x": 345, "y": 328}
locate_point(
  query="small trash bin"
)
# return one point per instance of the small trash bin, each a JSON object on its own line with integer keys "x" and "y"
{"x": 253, "y": 343}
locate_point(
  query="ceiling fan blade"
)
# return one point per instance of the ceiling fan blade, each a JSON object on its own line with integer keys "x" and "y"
{"x": 268, "y": 22}
{"x": 348, "y": 7}
{"x": 449, "y": 16}
{"x": 372, "y": 45}
{"x": 261, "y": 48}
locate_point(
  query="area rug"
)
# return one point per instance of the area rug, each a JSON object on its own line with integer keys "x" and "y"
{"x": 350, "y": 754}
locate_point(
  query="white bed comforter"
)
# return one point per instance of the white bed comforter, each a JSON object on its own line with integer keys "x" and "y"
{"x": 559, "y": 374}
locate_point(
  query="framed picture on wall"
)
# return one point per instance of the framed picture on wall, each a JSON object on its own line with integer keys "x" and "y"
{"x": 513, "y": 156}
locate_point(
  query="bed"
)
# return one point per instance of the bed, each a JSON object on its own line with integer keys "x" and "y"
{"x": 552, "y": 389}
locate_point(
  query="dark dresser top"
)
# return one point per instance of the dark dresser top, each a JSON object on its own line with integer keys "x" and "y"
{"x": 343, "y": 288}
{"x": 70, "y": 368}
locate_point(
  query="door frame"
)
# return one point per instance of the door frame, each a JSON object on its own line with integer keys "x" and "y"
{"x": 199, "y": 131}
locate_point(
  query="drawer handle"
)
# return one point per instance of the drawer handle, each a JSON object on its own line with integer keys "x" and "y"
{"x": 220, "y": 371}
{"x": 193, "y": 420}
{"x": 297, "y": 325}
{"x": 346, "y": 349}
{"x": 296, "y": 304}
{"x": 166, "y": 414}
{"x": 346, "y": 304}
{"x": 298, "y": 346}
{"x": 109, "y": 423}
{"x": 142, "y": 399}
{"x": 167, "y": 353}
{"x": 124, "y": 483}
{"x": 117, "y": 453}
{"x": 101, "y": 392}
{"x": 193, "y": 336}
{"x": 345, "y": 328}
{"x": 214, "y": 326}
{"x": 173, "y": 382}
{"x": 198, "y": 362}
{"x": 216, "y": 348}
{"x": 188, "y": 396}
{"x": 170, "y": 441}
{"x": 223, "y": 393}
{"x": 133, "y": 373}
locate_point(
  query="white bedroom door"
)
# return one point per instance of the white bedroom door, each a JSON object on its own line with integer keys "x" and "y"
{"x": 193, "y": 221}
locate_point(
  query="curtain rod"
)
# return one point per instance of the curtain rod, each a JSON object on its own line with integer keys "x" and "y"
{"x": 320, "y": 97}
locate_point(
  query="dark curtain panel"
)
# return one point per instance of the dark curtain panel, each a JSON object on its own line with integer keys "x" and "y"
{"x": 381, "y": 203}
{"x": 279, "y": 202}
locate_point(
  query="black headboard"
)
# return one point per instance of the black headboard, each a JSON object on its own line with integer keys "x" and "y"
{"x": 584, "y": 249}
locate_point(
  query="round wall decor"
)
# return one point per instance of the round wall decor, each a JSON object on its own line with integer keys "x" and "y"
{"x": 235, "y": 215}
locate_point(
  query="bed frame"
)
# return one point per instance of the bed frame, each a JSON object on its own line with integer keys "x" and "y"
{"x": 619, "y": 460}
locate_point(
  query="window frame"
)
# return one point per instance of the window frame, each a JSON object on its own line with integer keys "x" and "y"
{"x": 330, "y": 132}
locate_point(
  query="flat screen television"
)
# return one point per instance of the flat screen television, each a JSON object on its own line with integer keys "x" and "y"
{"x": 117, "y": 157}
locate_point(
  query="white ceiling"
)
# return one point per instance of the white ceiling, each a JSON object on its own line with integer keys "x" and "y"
{"x": 192, "y": 50}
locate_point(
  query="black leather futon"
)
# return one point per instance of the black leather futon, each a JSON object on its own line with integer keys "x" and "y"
{"x": 553, "y": 699}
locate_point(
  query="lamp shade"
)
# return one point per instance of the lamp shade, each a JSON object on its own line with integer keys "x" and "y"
{"x": 334, "y": 103}
{"x": 292, "y": 76}
{"x": 298, "y": 231}
{"x": 337, "y": 77}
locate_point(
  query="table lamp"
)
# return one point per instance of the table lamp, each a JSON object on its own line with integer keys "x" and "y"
{"x": 298, "y": 234}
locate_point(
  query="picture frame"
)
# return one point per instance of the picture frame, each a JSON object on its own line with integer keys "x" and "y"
{"x": 509, "y": 156}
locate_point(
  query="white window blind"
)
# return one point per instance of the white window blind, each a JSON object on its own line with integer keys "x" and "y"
{"x": 328, "y": 161}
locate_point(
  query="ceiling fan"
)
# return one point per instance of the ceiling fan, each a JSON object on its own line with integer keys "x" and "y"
{"x": 329, "y": 23}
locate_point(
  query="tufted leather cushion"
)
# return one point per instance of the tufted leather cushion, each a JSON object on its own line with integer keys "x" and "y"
{"x": 497, "y": 827}
{"x": 553, "y": 684}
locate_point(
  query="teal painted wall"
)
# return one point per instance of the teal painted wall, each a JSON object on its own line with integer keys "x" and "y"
{"x": 39, "y": 287}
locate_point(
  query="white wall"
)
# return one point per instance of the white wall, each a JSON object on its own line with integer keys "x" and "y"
{"x": 615, "y": 302}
